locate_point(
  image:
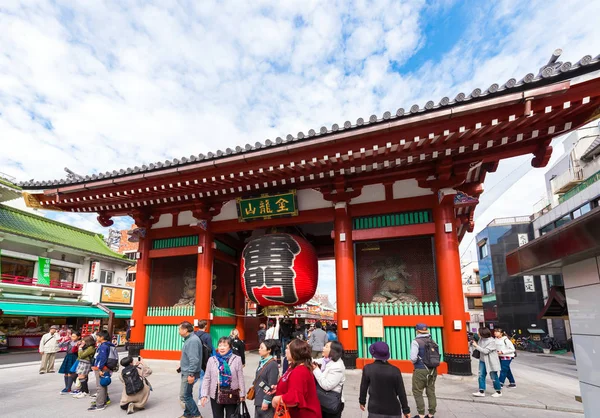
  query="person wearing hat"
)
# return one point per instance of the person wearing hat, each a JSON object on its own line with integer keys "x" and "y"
{"x": 423, "y": 376}
{"x": 48, "y": 349}
{"x": 383, "y": 382}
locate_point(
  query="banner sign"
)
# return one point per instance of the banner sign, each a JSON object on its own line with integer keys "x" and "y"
{"x": 267, "y": 207}
{"x": 117, "y": 295}
{"x": 43, "y": 271}
{"x": 529, "y": 283}
{"x": 95, "y": 272}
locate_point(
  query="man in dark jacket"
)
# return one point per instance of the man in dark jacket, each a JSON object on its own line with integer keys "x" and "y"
{"x": 191, "y": 365}
{"x": 206, "y": 340}
{"x": 383, "y": 381}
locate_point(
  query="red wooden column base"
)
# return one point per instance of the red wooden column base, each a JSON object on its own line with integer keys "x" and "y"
{"x": 141, "y": 298}
{"x": 345, "y": 286}
{"x": 456, "y": 348}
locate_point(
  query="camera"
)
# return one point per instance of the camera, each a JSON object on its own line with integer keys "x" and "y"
{"x": 266, "y": 388}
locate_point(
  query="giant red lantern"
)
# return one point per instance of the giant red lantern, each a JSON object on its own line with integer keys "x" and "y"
{"x": 279, "y": 269}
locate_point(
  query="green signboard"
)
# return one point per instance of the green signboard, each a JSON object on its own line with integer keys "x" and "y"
{"x": 43, "y": 271}
{"x": 267, "y": 206}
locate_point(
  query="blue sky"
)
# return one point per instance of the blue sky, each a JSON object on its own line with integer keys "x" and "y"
{"x": 97, "y": 86}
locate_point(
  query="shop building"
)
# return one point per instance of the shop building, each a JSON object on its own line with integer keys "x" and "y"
{"x": 388, "y": 197}
{"x": 510, "y": 303}
{"x": 56, "y": 274}
{"x": 572, "y": 250}
{"x": 573, "y": 189}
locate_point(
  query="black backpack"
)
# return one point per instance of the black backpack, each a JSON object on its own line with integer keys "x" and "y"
{"x": 113, "y": 358}
{"x": 132, "y": 380}
{"x": 206, "y": 350}
{"x": 431, "y": 356}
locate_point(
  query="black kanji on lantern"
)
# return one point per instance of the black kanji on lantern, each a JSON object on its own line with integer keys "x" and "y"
{"x": 268, "y": 266}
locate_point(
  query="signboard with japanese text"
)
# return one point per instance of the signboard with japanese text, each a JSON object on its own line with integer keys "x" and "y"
{"x": 95, "y": 271}
{"x": 523, "y": 239}
{"x": 529, "y": 283}
{"x": 373, "y": 327}
{"x": 116, "y": 295}
{"x": 267, "y": 206}
{"x": 43, "y": 271}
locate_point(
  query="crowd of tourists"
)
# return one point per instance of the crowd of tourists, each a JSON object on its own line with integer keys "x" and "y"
{"x": 310, "y": 383}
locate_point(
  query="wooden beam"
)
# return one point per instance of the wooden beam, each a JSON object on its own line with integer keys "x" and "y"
{"x": 304, "y": 217}
{"x": 393, "y": 232}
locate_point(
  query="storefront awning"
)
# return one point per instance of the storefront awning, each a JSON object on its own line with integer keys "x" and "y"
{"x": 123, "y": 313}
{"x": 38, "y": 309}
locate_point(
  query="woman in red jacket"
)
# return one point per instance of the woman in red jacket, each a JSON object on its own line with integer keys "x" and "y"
{"x": 297, "y": 388}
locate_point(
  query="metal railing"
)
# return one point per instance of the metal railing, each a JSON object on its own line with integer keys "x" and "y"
{"x": 30, "y": 281}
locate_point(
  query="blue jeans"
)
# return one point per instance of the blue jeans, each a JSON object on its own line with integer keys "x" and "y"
{"x": 200, "y": 385}
{"x": 482, "y": 376}
{"x": 506, "y": 372}
{"x": 186, "y": 394}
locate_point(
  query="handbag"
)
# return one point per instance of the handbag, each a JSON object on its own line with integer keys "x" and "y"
{"x": 251, "y": 394}
{"x": 74, "y": 367}
{"x": 227, "y": 396}
{"x": 241, "y": 411}
{"x": 330, "y": 400}
{"x": 282, "y": 411}
{"x": 476, "y": 354}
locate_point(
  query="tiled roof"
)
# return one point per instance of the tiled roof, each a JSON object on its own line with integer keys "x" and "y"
{"x": 17, "y": 222}
{"x": 7, "y": 183}
{"x": 552, "y": 72}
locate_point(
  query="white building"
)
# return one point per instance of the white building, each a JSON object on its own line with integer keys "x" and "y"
{"x": 472, "y": 293}
{"x": 55, "y": 274}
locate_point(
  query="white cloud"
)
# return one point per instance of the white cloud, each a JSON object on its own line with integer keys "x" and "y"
{"x": 126, "y": 83}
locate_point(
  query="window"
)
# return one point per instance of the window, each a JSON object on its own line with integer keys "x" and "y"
{"x": 16, "y": 267}
{"x": 63, "y": 274}
{"x": 474, "y": 303}
{"x": 582, "y": 210}
{"x": 546, "y": 229}
{"x": 106, "y": 276}
{"x": 131, "y": 256}
{"x": 483, "y": 251}
{"x": 555, "y": 280}
{"x": 488, "y": 287}
{"x": 565, "y": 219}
{"x": 131, "y": 277}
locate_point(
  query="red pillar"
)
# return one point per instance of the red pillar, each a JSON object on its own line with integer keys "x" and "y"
{"x": 345, "y": 284}
{"x": 204, "y": 273}
{"x": 141, "y": 298}
{"x": 456, "y": 348}
{"x": 240, "y": 308}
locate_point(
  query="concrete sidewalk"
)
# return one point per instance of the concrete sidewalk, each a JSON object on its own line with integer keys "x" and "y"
{"x": 24, "y": 393}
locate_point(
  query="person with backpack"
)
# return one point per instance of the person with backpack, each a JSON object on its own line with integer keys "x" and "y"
{"x": 106, "y": 361}
{"x": 189, "y": 367}
{"x": 425, "y": 355}
{"x": 238, "y": 346}
{"x": 383, "y": 382}
{"x": 136, "y": 388}
{"x": 207, "y": 349}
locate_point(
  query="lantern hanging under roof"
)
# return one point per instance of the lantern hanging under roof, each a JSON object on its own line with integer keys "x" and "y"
{"x": 279, "y": 270}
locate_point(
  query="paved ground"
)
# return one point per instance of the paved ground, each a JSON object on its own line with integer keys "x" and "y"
{"x": 540, "y": 393}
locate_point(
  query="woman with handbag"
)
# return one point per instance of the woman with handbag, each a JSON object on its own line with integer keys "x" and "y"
{"x": 296, "y": 391}
{"x": 488, "y": 362}
{"x": 223, "y": 381}
{"x": 267, "y": 374}
{"x": 72, "y": 347}
{"x": 330, "y": 373}
{"x": 506, "y": 352}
